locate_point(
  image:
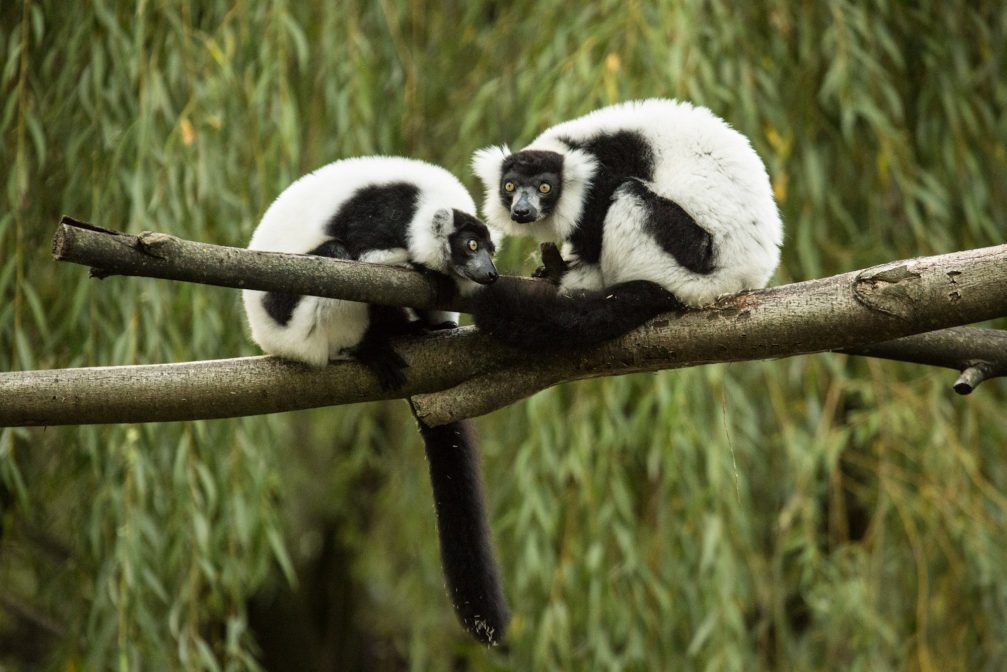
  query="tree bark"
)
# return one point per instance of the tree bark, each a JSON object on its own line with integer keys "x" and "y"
{"x": 461, "y": 373}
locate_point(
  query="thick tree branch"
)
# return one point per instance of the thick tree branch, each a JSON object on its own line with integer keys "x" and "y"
{"x": 788, "y": 320}
{"x": 846, "y": 311}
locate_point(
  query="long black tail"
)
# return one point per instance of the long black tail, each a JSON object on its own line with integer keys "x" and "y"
{"x": 470, "y": 568}
{"x": 535, "y": 316}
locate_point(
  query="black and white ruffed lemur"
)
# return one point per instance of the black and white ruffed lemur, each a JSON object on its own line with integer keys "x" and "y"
{"x": 400, "y": 211}
{"x": 658, "y": 204}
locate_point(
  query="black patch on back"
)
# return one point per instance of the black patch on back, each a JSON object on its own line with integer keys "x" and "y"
{"x": 333, "y": 249}
{"x": 375, "y": 218}
{"x": 675, "y": 230}
{"x": 621, "y": 155}
{"x": 280, "y": 306}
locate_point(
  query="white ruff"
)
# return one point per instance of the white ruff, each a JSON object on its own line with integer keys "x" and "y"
{"x": 578, "y": 170}
{"x": 578, "y": 173}
{"x": 486, "y": 164}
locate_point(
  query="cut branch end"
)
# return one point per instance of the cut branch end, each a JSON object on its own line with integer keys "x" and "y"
{"x": 973, "y": 376}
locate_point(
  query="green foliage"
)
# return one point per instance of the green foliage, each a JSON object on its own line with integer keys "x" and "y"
{"x": 813, "y": 513}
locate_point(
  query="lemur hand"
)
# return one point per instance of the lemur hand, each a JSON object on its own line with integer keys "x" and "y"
{"x": 553, "y": 266}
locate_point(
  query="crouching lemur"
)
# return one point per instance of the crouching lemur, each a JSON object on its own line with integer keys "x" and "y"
{"x": 392, "y": 210}
{"x": 659, "y": 205}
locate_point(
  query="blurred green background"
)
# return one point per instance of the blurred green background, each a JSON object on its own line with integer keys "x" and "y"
{"x": 819, "y": 512}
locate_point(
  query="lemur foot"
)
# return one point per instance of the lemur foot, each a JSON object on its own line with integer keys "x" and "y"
{"x": 385, "y": 364}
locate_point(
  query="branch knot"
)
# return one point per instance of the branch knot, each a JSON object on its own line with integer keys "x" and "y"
{"x": 888, "y": 289}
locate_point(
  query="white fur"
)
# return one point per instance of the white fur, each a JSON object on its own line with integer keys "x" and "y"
{"x": 701, "y": 163}
{"x": 486, "y": 164}
{"x": 579, "y": 275}
{"x": 323, "y": 329}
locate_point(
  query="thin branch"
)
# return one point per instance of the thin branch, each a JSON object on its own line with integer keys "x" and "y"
{"x": 973, "y": 376}
{"x": 32, "y": 617}
{"x": 842, "y": 312}
{"x": 980, "y": 354}
{"x": 158, "y": 255}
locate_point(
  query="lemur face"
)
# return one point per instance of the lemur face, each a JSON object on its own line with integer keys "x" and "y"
{"x": 472, "y": 249}
{"x": 530, "y": 184}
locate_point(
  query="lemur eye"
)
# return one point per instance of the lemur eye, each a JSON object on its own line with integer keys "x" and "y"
{"x": 509, "y": 187}
{"x": 473, "y": 245}
{"x": 544, "y": 188}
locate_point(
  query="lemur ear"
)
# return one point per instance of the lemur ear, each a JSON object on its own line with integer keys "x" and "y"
{"x": 443, "y": 221}
{"x": 486, "y": 163}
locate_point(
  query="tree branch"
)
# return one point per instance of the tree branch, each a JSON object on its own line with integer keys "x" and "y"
{"x": 980, "y": 354}
{"x": 478, "y": 375}
{"x": 36, "y": 620}
{"x": 158, "y": 255}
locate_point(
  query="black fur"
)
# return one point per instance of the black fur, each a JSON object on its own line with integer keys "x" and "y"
{"x": 532, "y": 162}
{"x": 375, "y": 351}
{"x": 675, "y": 230}
{"x": 470, "y": 568}
{"x": 280, "y": 306}
{"x": 536, "y": 317}
{"x": 375, "y": 218}
{"x": 621, "y": 156}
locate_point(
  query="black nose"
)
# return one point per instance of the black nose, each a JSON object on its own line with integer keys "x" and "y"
{"x": 492, "y": 276}
{"x": 521, "y": 212}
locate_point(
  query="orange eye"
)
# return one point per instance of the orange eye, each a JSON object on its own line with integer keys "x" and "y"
{"x": 509, "y": 187}
{"x": 544, "y": 188}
